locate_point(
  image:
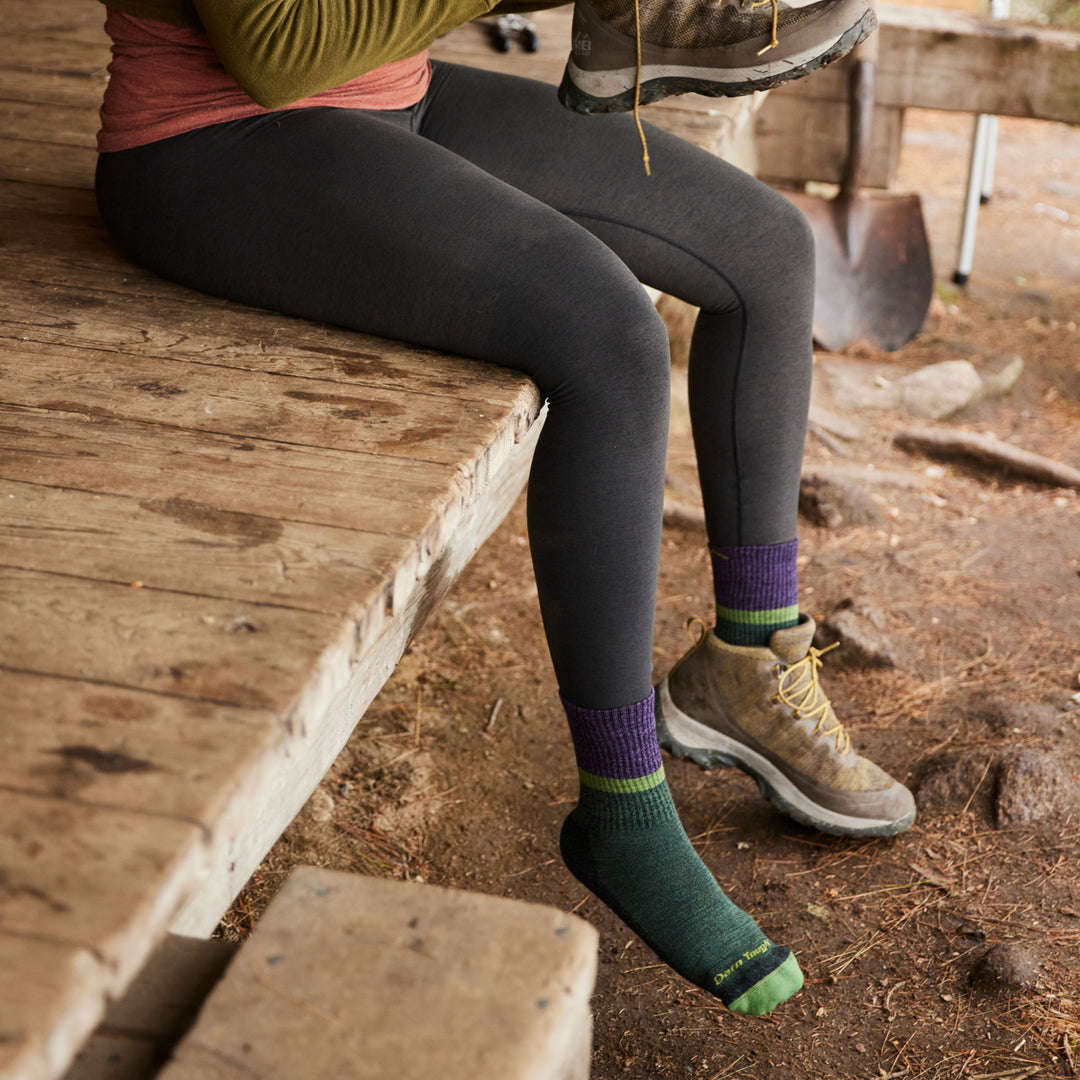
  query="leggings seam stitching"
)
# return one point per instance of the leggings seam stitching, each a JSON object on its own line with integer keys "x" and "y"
{"x": 612, "y": 219}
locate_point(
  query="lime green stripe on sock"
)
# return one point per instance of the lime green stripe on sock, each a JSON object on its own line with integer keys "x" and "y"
{"x": 622, "y": 787}
{"x": 772, "y": 617}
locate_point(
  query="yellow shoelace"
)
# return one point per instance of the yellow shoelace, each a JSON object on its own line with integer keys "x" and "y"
{"x": 775, "y": 20}
{"x": 637, "y": 89}
{"x": 814, "y": 703}
{"x": 637, "y": 70}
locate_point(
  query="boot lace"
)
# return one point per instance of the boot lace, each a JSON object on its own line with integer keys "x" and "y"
{"x": 746, "y": 5}
{"x": 637, "y": 89}
{"x": 752, "y": 6}
{"x": 798, "y": 688}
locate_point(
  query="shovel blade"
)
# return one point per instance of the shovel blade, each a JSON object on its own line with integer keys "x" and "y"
{"x": 874, "y": 279}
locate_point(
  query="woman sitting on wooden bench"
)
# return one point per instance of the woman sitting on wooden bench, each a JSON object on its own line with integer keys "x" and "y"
{"x": 308, "y": 158}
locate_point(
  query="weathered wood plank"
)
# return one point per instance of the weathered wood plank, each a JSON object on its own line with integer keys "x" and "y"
{"x": 210, "y": 1065}
{"x": 45, "y": 202}
{"x": 108, "y": 746}
{"x": 61, "y": 125}
{"x": 81, "y": 89}
{"x": 805, "y": 138}
{"x": 139, "y": 1031}
{"x": 63, "y": 56}
{"x": 32, "y": 162}
{"x": 44, "y": 242}
{"x": 42, "y": 203}
{"x": 51, "y": 996}
{"x": 254, "y": 404}
{"x": 342, "y": 488}
{"x": 170, "y": 643}
{"x": 178, "y": 326}
{"x": 950, "y": 60}
{"x": 77, "y": 21}
{"x": 104, "y": 880}
{"x": 181, "y": 545}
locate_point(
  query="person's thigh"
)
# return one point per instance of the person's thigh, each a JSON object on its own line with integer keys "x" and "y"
{"x": 339, "y": 216}
{"x": 697, "y": 227}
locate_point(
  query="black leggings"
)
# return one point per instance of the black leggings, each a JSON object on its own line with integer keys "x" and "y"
{"x": 489, "y": 221}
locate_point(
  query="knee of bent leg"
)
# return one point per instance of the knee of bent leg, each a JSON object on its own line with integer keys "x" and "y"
{"x": 797, "y": 228}
{"x": 623, "y": 357}
{"x": 597, "y": 339}
{"x": 774, "y": 278}
{"x": 792, "y": 244}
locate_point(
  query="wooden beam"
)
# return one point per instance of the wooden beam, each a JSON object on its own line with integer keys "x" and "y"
{"x": 950, "y": 60}
{"x": 51, "y": 996}
{"x": 102, "y": 880}
{"x": 117, "y": 748}
{"x": 800, "y": 138}
{"x": 139, "y": 1031}
{"x": 340, "y": 488}
{"x": 32, "y": 18}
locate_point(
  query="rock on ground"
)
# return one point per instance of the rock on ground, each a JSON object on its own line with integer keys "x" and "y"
{"x": 863, "y": 644}
{"x": 1004, "y": 968}
{"x": 1033, "y": 787}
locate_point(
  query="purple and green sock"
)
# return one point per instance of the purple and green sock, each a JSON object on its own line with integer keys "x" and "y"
{"x": 624, "y": 841}
{"x": 756, "y": 590}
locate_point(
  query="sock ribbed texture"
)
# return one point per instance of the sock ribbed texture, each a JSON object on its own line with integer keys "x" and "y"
{"x": 624, "y": 841}
{"x": 756, "y": 591}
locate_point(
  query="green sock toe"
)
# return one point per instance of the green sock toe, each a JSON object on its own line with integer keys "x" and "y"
{"x": 626, "y": 843}
{"x": 775, "y": 988}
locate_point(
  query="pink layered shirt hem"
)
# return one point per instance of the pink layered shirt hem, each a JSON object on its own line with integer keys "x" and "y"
{"x": 165, "y": 80}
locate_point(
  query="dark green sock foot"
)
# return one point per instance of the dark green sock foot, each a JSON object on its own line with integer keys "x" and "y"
{"x": 625, "y": 842}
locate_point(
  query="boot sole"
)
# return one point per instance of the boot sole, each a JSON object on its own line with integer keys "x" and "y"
{"x": 687, "y": 738}
{"x": 584, "y": 91}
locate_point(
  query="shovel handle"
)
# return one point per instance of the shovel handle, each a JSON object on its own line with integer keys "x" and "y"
{"x": 860, "y": 113}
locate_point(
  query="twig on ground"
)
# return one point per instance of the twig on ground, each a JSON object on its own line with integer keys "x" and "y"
{"x": 887, "y": 1003}
{"x": 1067, "y": 1039}
{"x": 989, "y": 762}
{"x": 1009, "y": 1074}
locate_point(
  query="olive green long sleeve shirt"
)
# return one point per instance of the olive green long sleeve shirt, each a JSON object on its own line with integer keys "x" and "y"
{"x": 280, "y": 51}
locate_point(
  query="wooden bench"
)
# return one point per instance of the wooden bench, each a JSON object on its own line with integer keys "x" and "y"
{"x": 219, "y": 528}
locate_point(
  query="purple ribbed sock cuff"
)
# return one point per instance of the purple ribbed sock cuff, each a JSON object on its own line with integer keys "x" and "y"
{"x": 615, "y": 743}
{"x": 758, "y": 578}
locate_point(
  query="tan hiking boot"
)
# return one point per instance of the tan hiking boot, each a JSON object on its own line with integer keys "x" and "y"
{"x": 763, "y": 710}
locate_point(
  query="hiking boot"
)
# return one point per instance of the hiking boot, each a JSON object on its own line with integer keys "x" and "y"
{"x": 762, "y": 709}
{"x": 720, "y": 48}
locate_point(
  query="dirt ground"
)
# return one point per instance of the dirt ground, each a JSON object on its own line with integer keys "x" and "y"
{"x": 461, "y": 771}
